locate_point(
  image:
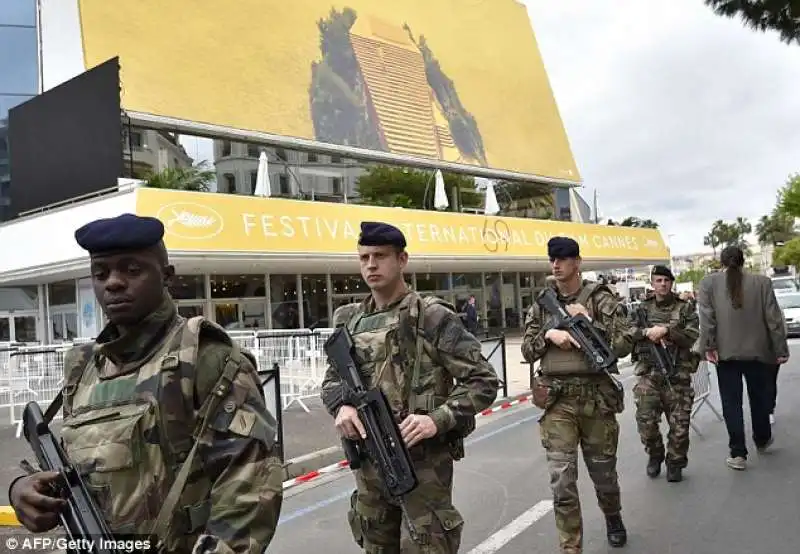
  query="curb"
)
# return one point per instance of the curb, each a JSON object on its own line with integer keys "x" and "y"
{"x": 8, "y": 517}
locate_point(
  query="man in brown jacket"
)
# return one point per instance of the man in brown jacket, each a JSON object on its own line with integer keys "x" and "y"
{"x": 742, "y": 332}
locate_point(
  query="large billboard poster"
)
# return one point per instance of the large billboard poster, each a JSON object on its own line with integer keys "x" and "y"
{"x": 460, "y": 81}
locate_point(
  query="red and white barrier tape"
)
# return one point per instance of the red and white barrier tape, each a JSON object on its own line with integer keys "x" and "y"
{"x": 338, "y": 466}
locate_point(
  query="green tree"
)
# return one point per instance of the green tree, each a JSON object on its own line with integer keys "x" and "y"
{"x": 788, "y": 254}
{"x": 635, "y": 222}
{"x": 782, "y": 16}
{"x": 197, "y": 178}
{"x": 789, "y": 197}
{"x": 405, "y": 188}
{"x": 775, "y": 228}
{"x": 694, "y": 275}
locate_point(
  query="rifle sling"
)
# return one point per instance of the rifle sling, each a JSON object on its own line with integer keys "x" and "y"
{"x": 419, "y": 351}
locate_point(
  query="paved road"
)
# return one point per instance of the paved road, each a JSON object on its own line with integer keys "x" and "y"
{"x": 502, "y": 490}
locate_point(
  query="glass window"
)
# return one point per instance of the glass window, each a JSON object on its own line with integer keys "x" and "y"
{"x": 428, "y": 282}
{"x": 285, "y": 314}
{"x": 349, "y": 284}
{"x": 237, "y": 286}
{"x": 188, "y": 287}
{"x": 227, "y": 315}
{"x": 19, "y": 298}
{"x": 62, "y": 293}
{"x": 18, "y": 12}
{"x": 5, "y": 329}
{"x": 494, "y": 300}
{"x": 190, "y": 311}
{"x": 464, "y": 286}
{"x": 514, "y": 317}
{"x": 19, "y": 63}
{"x": 25, "y": 329}
{"x": 315, "y": 301}
{"x": 254, "y": 314}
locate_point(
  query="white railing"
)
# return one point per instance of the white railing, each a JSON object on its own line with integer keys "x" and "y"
{"x": 37, "y": 372}
{"x": 701, "y": 383}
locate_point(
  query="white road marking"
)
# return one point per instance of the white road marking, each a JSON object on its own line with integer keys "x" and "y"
{"x": 504, "y": 535}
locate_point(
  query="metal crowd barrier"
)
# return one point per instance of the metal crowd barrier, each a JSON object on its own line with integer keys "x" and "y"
{"x": 34, "y": 374}
{"x": 701, "y": 383}
{"x": 494, "y": 350}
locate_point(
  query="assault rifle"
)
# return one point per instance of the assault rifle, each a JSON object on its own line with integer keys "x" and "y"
{"x": 81, "y": 518}
{"x": 658, "y": 354}
{"x": 384, "y": 445}
{"x": 592, "y": 343}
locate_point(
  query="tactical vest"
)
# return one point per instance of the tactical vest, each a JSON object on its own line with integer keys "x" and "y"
{"x": 389, "y": 343}
{"x": 557, "y": 361}
{"x": 665, "y": 316}
{"x": 131, "y": 434}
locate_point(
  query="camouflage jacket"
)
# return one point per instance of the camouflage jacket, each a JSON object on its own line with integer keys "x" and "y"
{"x": 455, "y": 379}
{"x": 682, "y": 323}
{"x": 605, "y": 311}
{"x": 131, "y": 413}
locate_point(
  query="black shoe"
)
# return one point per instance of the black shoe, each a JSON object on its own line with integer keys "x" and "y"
{"x": 615, "y": 530}
{"x": 674, "y": 474}
{"x": 653, "y": 468}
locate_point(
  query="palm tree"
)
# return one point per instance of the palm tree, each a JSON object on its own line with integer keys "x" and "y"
{"x": 197, "y": 178}
{"x": 775, "y": 15}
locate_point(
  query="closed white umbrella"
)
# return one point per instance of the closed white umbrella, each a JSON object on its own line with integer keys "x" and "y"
{"x": 263, "y": 187}
{"x": 491, "y": 207}
{"x": 440, "y": 201}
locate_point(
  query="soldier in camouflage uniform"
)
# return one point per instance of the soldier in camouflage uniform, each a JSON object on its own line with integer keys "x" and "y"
{"x": 580, "y": 405}
{"x": 673, "y": 322}
{"x": 433, "y": 373}
{"x": 133, "y": 405}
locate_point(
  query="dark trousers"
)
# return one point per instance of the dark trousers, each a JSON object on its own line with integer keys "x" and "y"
{"x": 757, "y": 378}
{"x": 772, "y": 382}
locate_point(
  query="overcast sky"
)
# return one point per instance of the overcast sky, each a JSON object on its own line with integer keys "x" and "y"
{"x": 673, "y": 113}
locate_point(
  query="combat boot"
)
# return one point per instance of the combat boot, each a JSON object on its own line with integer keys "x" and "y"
{"x": 653, "y": 468}
{"x": 674, "y": 474}
{"x": 615, "y": 531}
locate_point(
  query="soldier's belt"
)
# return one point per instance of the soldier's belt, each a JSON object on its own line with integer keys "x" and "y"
{"x": 577, "y": 389}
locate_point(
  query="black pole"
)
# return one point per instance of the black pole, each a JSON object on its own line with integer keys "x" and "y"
{"x": 278, "y": 408}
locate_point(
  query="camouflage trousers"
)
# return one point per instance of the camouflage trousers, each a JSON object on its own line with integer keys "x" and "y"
{"x": 654, "y": 396}
{"x": 588, "y": 421}
{"x": 379, "y": 526}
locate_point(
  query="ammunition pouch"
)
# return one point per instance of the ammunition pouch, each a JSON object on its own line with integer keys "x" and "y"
{"x": 614, "y": 399}
{"x": 545, "y": 392}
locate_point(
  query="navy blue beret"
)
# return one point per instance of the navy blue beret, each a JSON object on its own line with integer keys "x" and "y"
{"x": 664, "y": 271}
{"x": 562, "y": 247}
{"x": 126, "y": 232}
{"x": 374, "y": 233}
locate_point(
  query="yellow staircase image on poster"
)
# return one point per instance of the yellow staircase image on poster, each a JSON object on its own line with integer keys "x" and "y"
{"x": 410, "y": 119}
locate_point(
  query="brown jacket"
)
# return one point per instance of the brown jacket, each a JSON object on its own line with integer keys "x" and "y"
{"x": 755, "y": 332}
